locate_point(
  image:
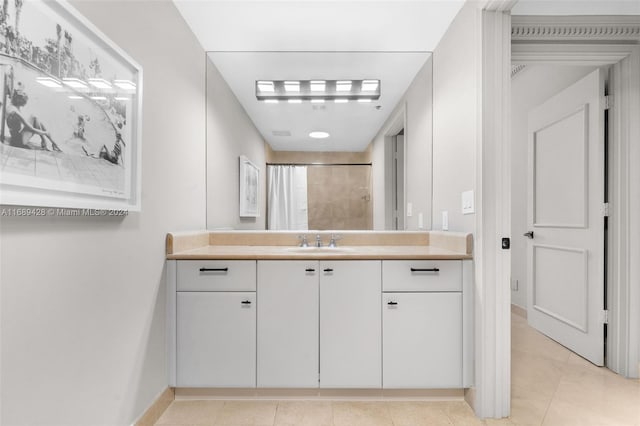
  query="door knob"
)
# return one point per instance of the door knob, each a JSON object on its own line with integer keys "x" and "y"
{"x": 528, "y": 234}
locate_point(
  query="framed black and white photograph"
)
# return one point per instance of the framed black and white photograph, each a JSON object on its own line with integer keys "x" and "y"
{"x": 249, "y": 181}
{"x": 70, "y": 131}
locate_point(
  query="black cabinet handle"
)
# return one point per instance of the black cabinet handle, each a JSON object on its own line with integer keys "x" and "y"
{"x": 392, "y": 303}
{"x": 328, "y": 270}
{"x": 214, "y": 269}
{"x": 309, "y": 270}
{"x": 425, "y": 269}
{"x": 246, "y": 302}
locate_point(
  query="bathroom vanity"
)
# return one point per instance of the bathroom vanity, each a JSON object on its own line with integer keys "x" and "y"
{"x": 383, "y": 310}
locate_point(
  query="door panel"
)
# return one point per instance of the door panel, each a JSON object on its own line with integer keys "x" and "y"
{"x": 566, "y": 193}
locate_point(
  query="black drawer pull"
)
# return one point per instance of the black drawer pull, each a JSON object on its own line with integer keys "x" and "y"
{"x": 309, "y": 270}
{"x": 425, "y": 269}
{"x": 392, "y": 303}
{"x": 246, "y": 302}
{"x": 214, "y": 269}
{"x": 328, "y": 270}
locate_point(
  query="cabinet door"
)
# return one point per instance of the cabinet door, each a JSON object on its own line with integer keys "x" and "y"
{"x": 350, "y": 324}
{"x": 422, "y": 340}
{"x": 288, "y": 324}
{"x": 216, "y": 339}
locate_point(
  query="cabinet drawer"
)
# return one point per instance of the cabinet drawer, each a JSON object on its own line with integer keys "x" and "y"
{"x": 216, "y": 275}
{"x": 421, "y": 275}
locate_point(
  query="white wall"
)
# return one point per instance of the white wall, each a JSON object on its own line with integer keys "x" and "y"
{"x": 230, "y": 133}
{"x": 529, "y": 88}
{"x": 455, "y": 120}
{"x": 417, "y": 104}
{"x": 83, "y": 317}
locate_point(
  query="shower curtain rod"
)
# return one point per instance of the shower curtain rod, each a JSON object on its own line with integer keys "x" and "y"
{"x": 319, "y": 164}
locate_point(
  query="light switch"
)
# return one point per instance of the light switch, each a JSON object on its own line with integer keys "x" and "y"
{"x": 468, "y": 206}
{"x": 420, "y": 221}
{"x": 409, "y": 209}
{"x": 445, "y": 220}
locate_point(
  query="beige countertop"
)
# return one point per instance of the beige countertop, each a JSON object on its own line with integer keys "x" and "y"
{"x": 268, "y": 245}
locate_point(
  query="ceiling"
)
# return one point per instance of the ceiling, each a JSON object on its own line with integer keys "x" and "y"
{"x": 352, "y": 126}
{"x": 260, "y": 32}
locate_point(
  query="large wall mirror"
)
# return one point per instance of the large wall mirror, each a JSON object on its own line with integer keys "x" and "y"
{"x": 343, "y": 139}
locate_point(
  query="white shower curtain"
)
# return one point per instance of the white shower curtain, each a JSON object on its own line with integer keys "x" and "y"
{"x": 287, "y": 201}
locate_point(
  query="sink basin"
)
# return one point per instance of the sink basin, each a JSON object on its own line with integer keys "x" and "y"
{"x": 312, "y": 250}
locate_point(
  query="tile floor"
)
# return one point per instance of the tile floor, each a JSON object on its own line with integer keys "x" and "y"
{"x": 550, "y": 386}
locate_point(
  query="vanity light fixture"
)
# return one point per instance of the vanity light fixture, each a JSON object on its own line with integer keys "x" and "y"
{"x": 369, "y": 85}
{"x": 122, "y": 98}
{"x": 343, "y": 85}
{"x": 317, "y": 91}
{"x": 319, "y": 135}
{"x": 318, "y": 85}
{"x": 49, "y": 82}
{"x": 270, "y": 101}
{"x": 99, "y": 98}
{"x": 341, "y": 101}
{"x": 317, "y": 101}
{"x": 266, "y": 86}
{"x": 125, "y": 84}
{"x": 292, "y": 86}
{"x": 100, "y": 83}
{"x": 365, "y": 100}
{"x": 76, "y": 83}
{"x": 295, "y": 101}
{"x": 75, "y": 97}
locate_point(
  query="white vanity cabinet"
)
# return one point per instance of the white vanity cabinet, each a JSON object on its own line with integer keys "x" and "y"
{"x": 422, "y": 317}
{"x": 288, "y": 324}
{"x": 350, "y": 324}
{"x": 215, "y": 327}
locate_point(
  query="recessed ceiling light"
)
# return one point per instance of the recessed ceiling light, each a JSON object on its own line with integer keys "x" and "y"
{"x": 319, "y": 135}
{"x": 49, "y": 82}
{"x": 266, "y": 86}
{"x": 364, "y": 100}
{"x": 270, "y": 101}
{"x": 369, "y": 85}
{"x": 317, "y": 85}
{"x": 295, "y": 101}
{"x": 292, "y": 86}
{"x": 317, "y": 101}
{"x": 100, "y": 83}
{"x": 341, "y": 101}
{"x": 343, "y": 86}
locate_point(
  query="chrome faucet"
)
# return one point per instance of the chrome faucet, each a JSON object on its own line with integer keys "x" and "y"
{"x": 303, "y": 241}
{"x": 334, "y": 238}
{"x": 318, "y": 241}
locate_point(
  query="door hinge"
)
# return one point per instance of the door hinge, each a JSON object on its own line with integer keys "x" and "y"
{"x": 608, "y": 101}
{"x": 605, "y": 316}
{"x": 605, "y": 210}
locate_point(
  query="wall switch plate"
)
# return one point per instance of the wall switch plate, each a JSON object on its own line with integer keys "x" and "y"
{"x": 409, "y": 209}
{"x": 420, "y": 221}
{"x": 468, "y": 206}
{"x": 514, "y": 285}
{"x": 445, "y": 220}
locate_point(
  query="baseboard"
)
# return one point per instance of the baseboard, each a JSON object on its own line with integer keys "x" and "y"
{"x": 321, "y": 394}
{"x": 153, "y": 413}
{"x": 519, "y": 310}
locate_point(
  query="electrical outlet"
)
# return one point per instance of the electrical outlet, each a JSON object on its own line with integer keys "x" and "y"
{"x": 409, "y": 209}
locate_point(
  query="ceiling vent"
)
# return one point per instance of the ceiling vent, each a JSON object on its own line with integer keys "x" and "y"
{"x": 281, "y": 133}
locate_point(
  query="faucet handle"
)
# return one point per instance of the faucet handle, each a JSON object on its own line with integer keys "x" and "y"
{"x": 318, "y": 240}
{"x": 303, "y": 240}
{"x": 334, "y": 238}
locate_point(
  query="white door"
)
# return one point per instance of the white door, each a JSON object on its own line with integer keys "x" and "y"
{"x": 350, "y": 324}
{"x": 288, "y": 324}
{"x": 565, "y": 259}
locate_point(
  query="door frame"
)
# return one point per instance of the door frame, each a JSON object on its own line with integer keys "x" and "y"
{"x": 601, "y": 44}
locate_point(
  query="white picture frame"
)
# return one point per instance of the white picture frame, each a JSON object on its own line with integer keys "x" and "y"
{"x": 249, "y": 188}
{"x": 81, "y": 96}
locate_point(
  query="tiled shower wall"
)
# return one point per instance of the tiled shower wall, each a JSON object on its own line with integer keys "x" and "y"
{"x": 339, "y": 197}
